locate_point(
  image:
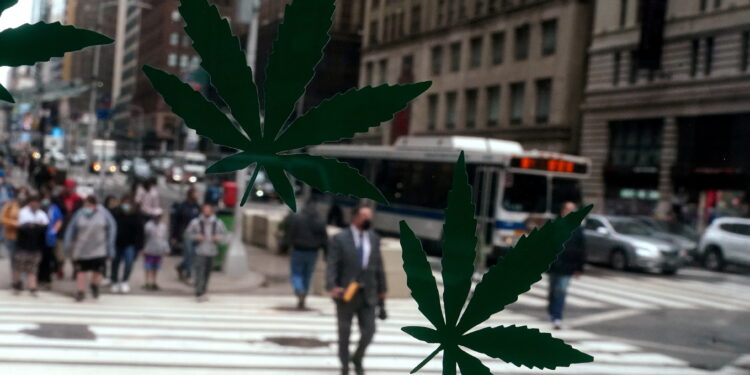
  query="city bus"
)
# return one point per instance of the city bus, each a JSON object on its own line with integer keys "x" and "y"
{"x": 514, "y": 189}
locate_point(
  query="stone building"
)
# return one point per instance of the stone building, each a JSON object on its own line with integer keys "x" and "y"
{"x": 667, "y": 111}
{"x": 503, "y": 69}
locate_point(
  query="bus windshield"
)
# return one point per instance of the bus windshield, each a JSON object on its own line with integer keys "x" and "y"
{"x": 565, "y": 190}
{"x": 525, "y": 193}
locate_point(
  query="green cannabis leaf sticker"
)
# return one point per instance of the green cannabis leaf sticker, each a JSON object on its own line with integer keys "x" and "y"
{"x": 291, "y": 66}
{"x": 30, "y": 44}
{"x": 500, "y": 286}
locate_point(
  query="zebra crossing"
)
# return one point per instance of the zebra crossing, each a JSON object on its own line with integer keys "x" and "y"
{"x": 613, "y": 289}
{"x": 246, "y": 335}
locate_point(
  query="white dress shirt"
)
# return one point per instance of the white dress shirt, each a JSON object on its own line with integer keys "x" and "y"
{"x": 29, "y": 216}
{"x": 366, "y": 247}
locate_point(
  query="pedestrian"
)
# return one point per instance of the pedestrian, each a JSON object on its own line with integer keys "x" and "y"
{"x": 355, "y": 278}
{"x": 206, "y": 232}
{"x": 182, "y": 214}
{"x": 129, "y": 241}
{"x": 32, "y": 226}
{"x": 147, "y": 198}
{"x": 156, "y": 246}
{"x": 111, "y": 203}
{"x": 306, "y": 234}
{"x": 9, "y": 220}
{"x": 6, "y": 193}
{"x": 90, "y": 240}
{"x": 70, "y": 199}
{"x": 50, "y": 259}
{"x": 569, "y": 263}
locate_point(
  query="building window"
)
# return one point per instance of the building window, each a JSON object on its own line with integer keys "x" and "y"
{"x": 432, "y": 112}
{"x": 635, "y": 143}
{"x": 516, "y": 103}
{"x": 461, "y": 9}
{"x": 623, "y": 12}
{"x": 476, "y": 53}
{"x": 196, "y": 61}
{"x": 633, "y": 74}
{"x": 704, "y": 5}
{"x": 437, "y": 60}
{"x": 184, "y": 61}
{"x": 186, "y": 41}
{"x": 383, "y": 71}
{"x": 471, "y": 108}
{"x": 695, "y": 49}
{"x": 616, "y": 69}
{"x": 493, "y": 105}
{"x": 498, "y": 47}
{"x": 375, "y": 3}
{"x": 387, "y": 28}
{"x": 708, "y": 58}
{"x": 374, "y": 32}
{"x": 522, "y": 42}
{"x": 416, "y": 19}
{"x": 450, "y": 110}
{"x": 455, "y": 56}
{"x": 174, "y": 39}
{"x": 175, "y": 16}
{"x": 479, "y": 7}
{"x": 172, "y": 59}
{"x": 543, "y": 100}
{"x": 549, "y": 37}
{"x": 745, "y": 54}
{"x": 717, "y": 4}
{"x": 440, "y": 12}
{"x": 451, "y": 7}
{"x": 401, "y": 27}
{"x": 369, "y": 71}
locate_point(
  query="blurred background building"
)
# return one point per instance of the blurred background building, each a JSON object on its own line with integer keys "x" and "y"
{"x": 667, "y": 107}
{"x": 339, "y": 70}
{"x": 503, "y": 69}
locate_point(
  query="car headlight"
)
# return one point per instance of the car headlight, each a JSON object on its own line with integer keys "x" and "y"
{"x": 647, "y": 252}
{"x": 97, "y": 167}
{"x": 177, "y": 177}
{"x": 508, "y": 240}
{"x": 112, "y": 169}
{"x": 193, "y": 179}
{"x": 259, "y": 193}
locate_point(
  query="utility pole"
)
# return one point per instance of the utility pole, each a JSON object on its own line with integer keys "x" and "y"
{"x": 236, "y": 259}
{"x": 93, "y": 94}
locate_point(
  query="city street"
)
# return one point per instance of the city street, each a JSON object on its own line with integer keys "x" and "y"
{"x": 632, "y": 323}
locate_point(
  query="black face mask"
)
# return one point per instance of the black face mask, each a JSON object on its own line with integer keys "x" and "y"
{"x": 366, "y": 225}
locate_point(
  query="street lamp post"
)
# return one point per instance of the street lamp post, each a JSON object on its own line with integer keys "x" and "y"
{"x": 236, "y": 260}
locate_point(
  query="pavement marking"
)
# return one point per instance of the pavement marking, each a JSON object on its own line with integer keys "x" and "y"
{"x": 601, "y": 317}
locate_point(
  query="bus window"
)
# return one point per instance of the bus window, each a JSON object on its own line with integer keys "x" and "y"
{"x": 565, "y": 190}
{"x": 525, "y": 193}
{"x": 419, "y": 184}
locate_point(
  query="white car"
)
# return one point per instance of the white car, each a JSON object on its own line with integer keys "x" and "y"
{"x": 727, "y": 240}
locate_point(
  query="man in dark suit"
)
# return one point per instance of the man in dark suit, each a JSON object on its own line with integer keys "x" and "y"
{"x": 354, "y": 256}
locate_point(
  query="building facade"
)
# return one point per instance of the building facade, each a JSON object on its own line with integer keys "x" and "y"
{"x": 667, "y": 109}
{"x": 339, "y": 70}
{"x": 503, "y": 69}
{"x": 155, "y": 35}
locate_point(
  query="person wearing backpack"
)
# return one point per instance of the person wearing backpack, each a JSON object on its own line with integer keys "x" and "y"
{"x": 206, "y": 232}
{"x": 156, "y": 247}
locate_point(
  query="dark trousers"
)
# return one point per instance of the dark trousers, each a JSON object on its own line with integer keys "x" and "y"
{"x": 202, "y": 266}
{"x": 47, "y": 266}
{"x": 302, "y": 267}
{"x": 345, "y": 312}
{"x": 558, "y": 288}
{"x": 123, "y": 255}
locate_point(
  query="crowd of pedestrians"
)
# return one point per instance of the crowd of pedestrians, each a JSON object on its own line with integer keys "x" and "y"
{"x": 41, "y": 230}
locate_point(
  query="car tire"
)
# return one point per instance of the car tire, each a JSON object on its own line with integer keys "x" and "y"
{"x": 618, "y": 260}
{"x": 669, "y": 271}
{"x": 714, "y": 260}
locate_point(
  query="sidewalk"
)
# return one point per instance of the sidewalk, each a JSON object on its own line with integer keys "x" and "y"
{"x": 250, "y": 283}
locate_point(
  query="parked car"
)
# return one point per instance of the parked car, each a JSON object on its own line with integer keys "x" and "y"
{"x": 726, "y": 241}
{"x": 681, "y": 234}
{"x": 162, "y": 164}
{"x": 624, "y": 243}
